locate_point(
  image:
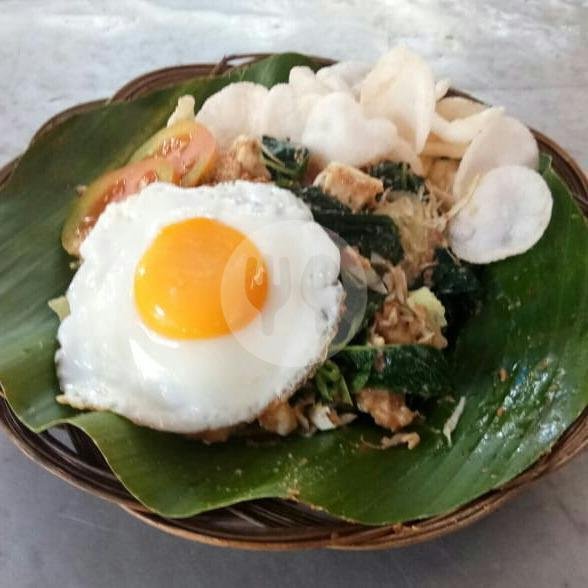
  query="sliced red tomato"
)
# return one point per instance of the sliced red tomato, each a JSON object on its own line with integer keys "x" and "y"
{"x": 188, "y": 146}
{"x": 111, "y": 187}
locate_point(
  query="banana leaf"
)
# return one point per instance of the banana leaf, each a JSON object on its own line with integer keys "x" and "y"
{"x": 533, "y": 324}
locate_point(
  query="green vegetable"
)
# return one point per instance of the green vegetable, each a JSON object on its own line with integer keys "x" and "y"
{"x": 458, "y": 288}
{"x": 533, "y": 324}
{"x": 286, "y": 161}
{"x": 331, "y": 385}
{"x": 370, "y": 233}
{"x": 452, "y": 277}
{"x": 396, "y": 176}
{"x": 435, "y": 310}
{"x": 421, "y": 370}
{"x": 319, "y": 202}
{"x": 418, "y": 370}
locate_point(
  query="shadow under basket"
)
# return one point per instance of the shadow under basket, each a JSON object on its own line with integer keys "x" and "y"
{"x": 271, "y": 524}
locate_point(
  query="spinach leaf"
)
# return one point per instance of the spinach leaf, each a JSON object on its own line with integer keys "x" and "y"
{"x": 453, "y": 277}
{"x": 420, "y": 370}
{"x": 286, "y": 161}
{"x": 370, "y": 233}
{"x": 320, "y": 202}
{"x": 396, "y": 176}
{"x": 458, "y": 288}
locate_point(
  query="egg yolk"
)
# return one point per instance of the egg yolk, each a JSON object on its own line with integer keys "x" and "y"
{"x": 199, "y": 279}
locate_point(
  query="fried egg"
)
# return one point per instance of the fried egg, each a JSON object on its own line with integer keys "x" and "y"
{"x": 194, "y": 309}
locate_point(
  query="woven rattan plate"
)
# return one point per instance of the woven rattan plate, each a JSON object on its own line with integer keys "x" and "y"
{"x": 271, "y": 524}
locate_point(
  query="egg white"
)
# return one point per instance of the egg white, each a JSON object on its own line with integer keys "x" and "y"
{"x": 110, "y": 360}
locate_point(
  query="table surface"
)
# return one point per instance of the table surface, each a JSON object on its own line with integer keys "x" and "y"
{"x": 530, "y": 57}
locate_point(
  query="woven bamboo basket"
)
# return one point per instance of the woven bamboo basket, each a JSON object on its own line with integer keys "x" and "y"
{"x": 271, "y": 524}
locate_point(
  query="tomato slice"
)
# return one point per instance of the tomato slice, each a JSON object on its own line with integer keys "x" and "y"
{"x": 111, "y": 187}
{"x": 189, "y": 146}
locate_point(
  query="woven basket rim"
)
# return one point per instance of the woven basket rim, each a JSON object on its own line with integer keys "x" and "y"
{"x": 272, "y": 524}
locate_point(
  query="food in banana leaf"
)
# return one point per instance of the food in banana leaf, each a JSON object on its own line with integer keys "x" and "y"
{"x": 245, "y": 272}
{"x": 464, "y": 363}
